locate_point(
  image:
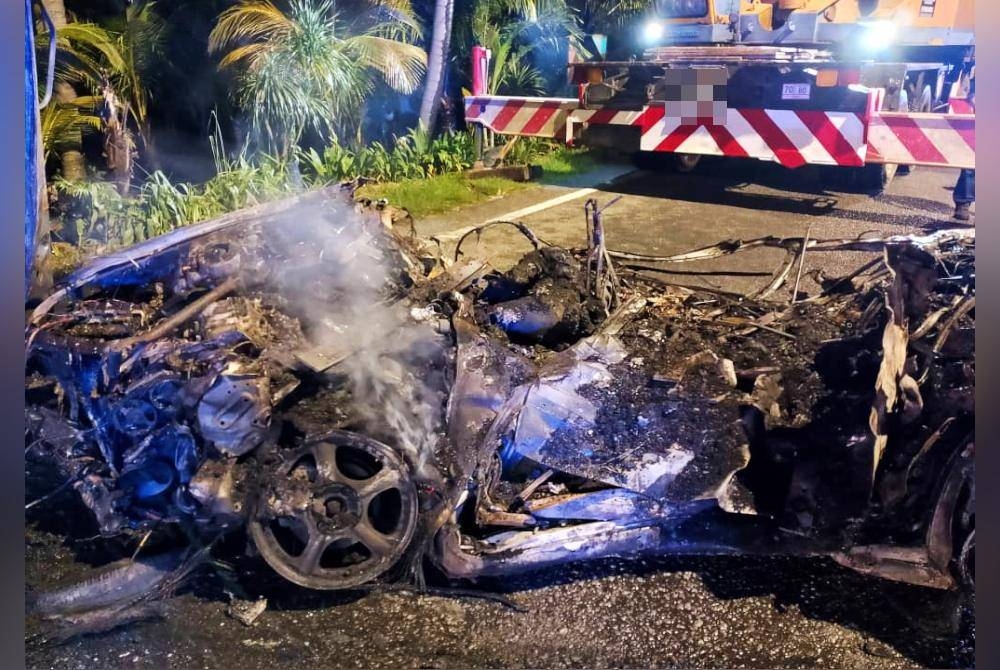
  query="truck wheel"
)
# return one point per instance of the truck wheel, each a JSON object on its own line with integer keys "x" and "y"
{"x": 964, "y": 535}
{"x": 875, "y": 178}
{"x": 686, "y": 162}
{"x": 966, "y": 561}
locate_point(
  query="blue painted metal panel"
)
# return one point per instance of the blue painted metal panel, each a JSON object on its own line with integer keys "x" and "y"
{"x": 31, "y": 148}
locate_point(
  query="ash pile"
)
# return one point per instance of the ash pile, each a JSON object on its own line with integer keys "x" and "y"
{"x": 366, "y": 407}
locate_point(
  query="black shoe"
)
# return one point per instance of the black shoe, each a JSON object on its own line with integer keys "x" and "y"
{"x": 962, "y": 211}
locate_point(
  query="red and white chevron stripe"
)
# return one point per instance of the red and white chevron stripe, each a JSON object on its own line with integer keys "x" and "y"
{"x": 945, "y": 140}
{"x": 791, "y": 138}
{"x": 533, "y": 117}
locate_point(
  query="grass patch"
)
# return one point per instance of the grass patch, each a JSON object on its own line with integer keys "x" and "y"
{"x": 564, "y": 162}
{"x": 423, "y": 197}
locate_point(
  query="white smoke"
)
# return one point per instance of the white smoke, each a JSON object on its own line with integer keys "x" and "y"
{"x": 338, "y": 276}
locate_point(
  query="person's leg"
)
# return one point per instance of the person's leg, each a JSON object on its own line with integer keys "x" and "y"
{"x": 965, "y": 194}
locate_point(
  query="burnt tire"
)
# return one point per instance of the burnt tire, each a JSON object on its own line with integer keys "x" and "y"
{"x": 336, "y": 513}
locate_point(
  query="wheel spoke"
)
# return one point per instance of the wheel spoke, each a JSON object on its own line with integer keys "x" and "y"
{"x": 384, "y": 479}
{"x": 377, "y": 543}
{"x": 308, "y": 560}
{"x": 326, "y": 462}
{"x": 306, "y": 518}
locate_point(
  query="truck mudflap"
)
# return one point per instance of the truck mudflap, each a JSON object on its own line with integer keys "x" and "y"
{"x": 792, "y": 138}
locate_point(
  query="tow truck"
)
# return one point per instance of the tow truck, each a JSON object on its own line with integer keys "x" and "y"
{"x": 863, "y": 84}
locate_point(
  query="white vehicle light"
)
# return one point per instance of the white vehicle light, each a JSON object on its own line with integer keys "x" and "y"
{"x": 652, "y": 31}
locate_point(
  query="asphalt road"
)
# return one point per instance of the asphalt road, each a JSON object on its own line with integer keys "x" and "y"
{"x": 663, "y": 213}
{"x": 732, "y": 612}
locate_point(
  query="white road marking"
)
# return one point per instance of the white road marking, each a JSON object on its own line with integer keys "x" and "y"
{"x": 519, "y": 213}
{"x": 542, "y": 206}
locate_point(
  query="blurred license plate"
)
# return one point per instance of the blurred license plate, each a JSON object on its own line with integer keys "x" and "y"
{"x": 795, "y": 91}
{"x": 696, "y": 95}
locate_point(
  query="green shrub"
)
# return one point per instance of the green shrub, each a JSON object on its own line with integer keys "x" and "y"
{"x": 98, "y": 216}
{"x": 415, "y": 155}
{"x": 528, "y": 150}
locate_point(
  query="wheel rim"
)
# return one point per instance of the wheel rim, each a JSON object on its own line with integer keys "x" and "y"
{"x": 336, "y": 513}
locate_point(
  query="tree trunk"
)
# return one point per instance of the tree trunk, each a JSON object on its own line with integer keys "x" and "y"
{"x": 72, "y": 160}
{"x": 118, "y": 146}
{"x": 437, "y": 61}
{"x": 57, "y": 12}
{"x": 73, "y": 163}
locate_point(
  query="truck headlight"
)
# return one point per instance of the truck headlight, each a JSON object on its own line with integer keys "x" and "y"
{"x": 652, "y": 31}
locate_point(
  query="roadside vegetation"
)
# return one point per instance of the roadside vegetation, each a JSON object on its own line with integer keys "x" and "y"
{"x": 419, "y": 174}
{"x": 297, "y": 94}
{"x": 561, "y": 164}
{"x": 440, "y": 194}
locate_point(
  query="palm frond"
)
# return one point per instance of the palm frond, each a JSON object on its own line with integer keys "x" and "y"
{"x": 246, "y": 21}
{"x": 395, "y": 19}
{"x": 401, "y": 65}
{"x": 64, "y": 124}
{"x": 85, "y": 41}
{"x": 250, "y": 53}
{"x": 520, "y": 77}
{"x": 85, "y": 52}
{"x": 601, "y": 16}
{"x": 313, "y": 66}
{"x": 141, "y": 38}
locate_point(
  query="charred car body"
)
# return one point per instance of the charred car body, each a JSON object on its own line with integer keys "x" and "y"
{"x": 364, "y": 407}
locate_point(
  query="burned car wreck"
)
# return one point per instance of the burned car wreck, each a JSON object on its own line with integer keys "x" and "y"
{"x": 366, "y": 407}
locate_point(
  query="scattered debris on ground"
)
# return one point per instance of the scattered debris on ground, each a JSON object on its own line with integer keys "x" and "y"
{"x": 246, "y": 611}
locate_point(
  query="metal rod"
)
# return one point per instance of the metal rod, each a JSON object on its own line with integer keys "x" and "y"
{"x": 802, "y": 262}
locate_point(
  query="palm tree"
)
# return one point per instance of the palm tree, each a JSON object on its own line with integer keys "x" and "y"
{"x": 314, "y": 66}
{"x": 113, "y": 63}
{"x": 140, "y": 34}
{"x": 82, "y": 50}
{"x": 602, "y": 16}
{"x": 430, "y": 104}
